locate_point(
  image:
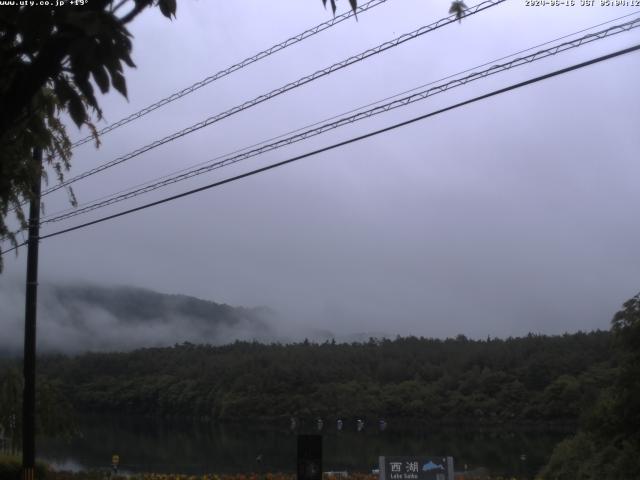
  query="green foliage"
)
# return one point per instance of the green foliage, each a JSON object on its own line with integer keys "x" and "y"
{"x": 11, "y": 407}
{"x": 587, "y": 457}
{"x": 11, "y": 468}
{"x": 626, "y": 329}
{"x": 42, "y": 129}
{"x": 450, "y": 380}
{"x": 54, "y": 414}
{"x": 458, "y": 8}
{"x": 609, "y": 442}
{"x": 48, "y": 58}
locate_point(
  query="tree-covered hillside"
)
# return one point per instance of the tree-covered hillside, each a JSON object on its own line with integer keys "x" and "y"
{"x": 534, "y": 378}
{"x": 608, "y": 442}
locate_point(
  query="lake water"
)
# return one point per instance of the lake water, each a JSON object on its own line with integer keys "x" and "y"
{"x": 146, "y": 445}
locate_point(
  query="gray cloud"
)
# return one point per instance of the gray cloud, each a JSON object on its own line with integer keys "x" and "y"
{"x": 79, "y": 318}
{"x": 509, "y": 216}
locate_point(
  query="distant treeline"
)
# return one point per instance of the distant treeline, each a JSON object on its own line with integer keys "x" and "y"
{"x": 529, "y": 379}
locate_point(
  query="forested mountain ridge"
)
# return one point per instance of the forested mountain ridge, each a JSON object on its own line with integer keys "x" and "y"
{"x": 534, "y": 378}
{"x": 132, "y": 304}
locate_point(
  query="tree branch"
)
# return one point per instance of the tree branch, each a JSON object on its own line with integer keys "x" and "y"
{"x": 117, "y": 7}
{"x": 133, "y": 13}
{"x": 30, "y": 79}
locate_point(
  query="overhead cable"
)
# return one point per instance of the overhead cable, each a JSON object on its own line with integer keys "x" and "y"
{"x": 279, "y": 91}
{"x": 415, "y": 97}
{"x": 334, "y": 117}
{"x": 233, "y": 68}
{"x": 345, "y": 142}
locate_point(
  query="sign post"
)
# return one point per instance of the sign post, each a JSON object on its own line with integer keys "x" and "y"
{"x": 309, "y": 457}
{"x": 115, "y": 461}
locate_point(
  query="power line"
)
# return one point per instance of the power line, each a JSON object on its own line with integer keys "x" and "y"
{"x": 357, "y": 109}
{"x": 15, "y": 247}
{"x": 349, "y": 141}
{"x": 415, "y": 97}
{"x": 244, "y": 63}
{"x": 195, "y": 170}
{"x": 279, "y": 91}
{"x": 223, "y": 73}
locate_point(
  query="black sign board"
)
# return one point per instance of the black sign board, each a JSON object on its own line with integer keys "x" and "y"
{"x": 309, "y": 457}
{"x": 416, "y": 468}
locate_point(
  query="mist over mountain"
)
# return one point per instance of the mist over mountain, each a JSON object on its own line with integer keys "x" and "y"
{"x": 75, "y": 318}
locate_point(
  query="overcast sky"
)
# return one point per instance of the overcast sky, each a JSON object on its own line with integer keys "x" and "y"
{"x": 517, "y": 214}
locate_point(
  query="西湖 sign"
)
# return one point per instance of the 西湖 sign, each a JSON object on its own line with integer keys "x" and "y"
{"x": 416, "y": 468}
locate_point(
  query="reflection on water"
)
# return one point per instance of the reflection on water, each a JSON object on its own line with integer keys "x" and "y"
{"x": 197, "y": 447}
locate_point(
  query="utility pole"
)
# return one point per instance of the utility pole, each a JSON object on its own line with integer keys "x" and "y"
{"x": 31, "y": 303}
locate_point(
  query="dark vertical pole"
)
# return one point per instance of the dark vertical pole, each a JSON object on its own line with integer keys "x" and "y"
{"x": 29, "y": 392}
{"x": 309, "y": 457}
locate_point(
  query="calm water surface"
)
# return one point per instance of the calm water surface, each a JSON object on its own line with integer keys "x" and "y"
{"x": 146, "y": 445}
